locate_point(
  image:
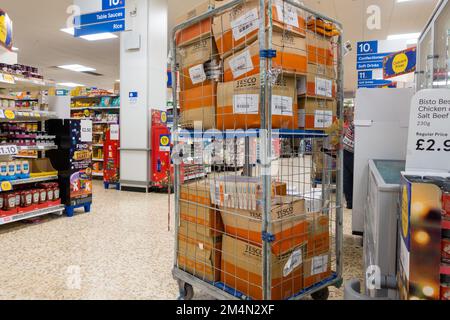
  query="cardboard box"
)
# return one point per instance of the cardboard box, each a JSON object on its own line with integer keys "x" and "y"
{"x": 319, "y": 82}
{"x": 291, "y": 57}
{"x": 316, "y": 114}
{"x": 320, "y": 50}
{"x": 199, "y": 254}
{"x": 194, "y": 60}
{"x": 202, "y": 29}
{"x": 238, "y": 104}
{"x": 289, "y": 225}
{"x": 242, "y": 270}
{"x": 239, "y": 26}
{"x": 316, "y": 269}
{"x": 318, "y": 234}
{"x": 199, "y": 104}
{"x": 420, "y": 235}
{"x": 196, "y": 207}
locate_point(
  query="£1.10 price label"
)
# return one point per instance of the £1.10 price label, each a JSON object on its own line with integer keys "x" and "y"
{"x": 429, "y": 131}
{"x": 9, "y": 150}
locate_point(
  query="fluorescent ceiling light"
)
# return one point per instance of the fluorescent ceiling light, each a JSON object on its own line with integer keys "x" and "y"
{"x": 99, "y": 36}
{"x": 70, "y": 84}
{"x": 76, "y": 68}
{"x": 91, "y": 37}
{"x": 404, "y": 36}
{"x": 15, "y": 49}
{"x": 400, "y": 1}
{"x": 118, "y": 80}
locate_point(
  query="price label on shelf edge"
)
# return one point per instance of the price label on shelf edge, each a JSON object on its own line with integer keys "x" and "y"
{"x": 429, "y": 131}
{"x": 8, "y": 150}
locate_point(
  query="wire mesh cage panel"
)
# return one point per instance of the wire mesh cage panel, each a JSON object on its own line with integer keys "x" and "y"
{"x": 259, "y": 85}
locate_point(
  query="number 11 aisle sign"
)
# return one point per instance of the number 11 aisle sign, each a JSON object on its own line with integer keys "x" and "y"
{"x": 429, "y": 131}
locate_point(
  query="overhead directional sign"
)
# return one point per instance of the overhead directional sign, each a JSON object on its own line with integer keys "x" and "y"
{"x": 400, "y": 63}
{"x": 369, "y": 62}
{"x": 111, "y": 18}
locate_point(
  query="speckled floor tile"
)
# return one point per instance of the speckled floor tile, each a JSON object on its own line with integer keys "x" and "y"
{"x": 121, "y": 250}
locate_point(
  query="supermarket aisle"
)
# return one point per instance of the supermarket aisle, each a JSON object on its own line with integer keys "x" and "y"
{"x": 122, "y": 250}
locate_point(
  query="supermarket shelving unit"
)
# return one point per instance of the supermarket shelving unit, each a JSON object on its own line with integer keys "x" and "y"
{"x": 99, "y": 135}
{"x": 12, "y": 83}
{"x": 293, "y": 171}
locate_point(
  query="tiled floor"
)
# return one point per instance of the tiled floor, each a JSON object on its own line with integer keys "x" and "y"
{"x": 122, "y": 250}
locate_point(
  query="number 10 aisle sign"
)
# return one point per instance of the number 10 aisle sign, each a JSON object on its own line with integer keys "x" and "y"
{"x": 99, "y": 16}
{"x": 429, "y": 131}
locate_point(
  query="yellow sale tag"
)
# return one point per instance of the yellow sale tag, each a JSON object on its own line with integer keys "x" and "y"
{"x": 26, "y": 114}
{"x": 9, "y": 114}
{"x": 6, "y": 186}
{"x": 37, "y": 115}
{"x": 8, "y": 78}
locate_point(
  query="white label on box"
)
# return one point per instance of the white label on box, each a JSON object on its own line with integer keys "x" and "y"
{"x": 295, "y": 260}
{"x": 245, "y": 24}
{"x": 197, "y": 74}
{"x": 319, "y": 265}
{"x": 86, "y": 130}
{"x": 114, "y": 132}
{"x": 246, "y": 103}
{"x": 282, "y": 106}
{"x": 323, "y": 119}
{"x": 324, "y": 87}
{"x": 288, "y": 14}
{"x": 241, "y": 64}
{"x": 404, "y": 258}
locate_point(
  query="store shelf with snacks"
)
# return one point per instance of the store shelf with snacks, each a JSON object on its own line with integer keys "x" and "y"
{"x": 103, "y": 108}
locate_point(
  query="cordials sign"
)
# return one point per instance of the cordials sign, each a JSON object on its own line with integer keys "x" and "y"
{"x": 5, "y": 30}
{"x": 429, "y": 132}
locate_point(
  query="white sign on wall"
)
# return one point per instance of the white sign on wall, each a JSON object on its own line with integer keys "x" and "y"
{"x": 429, "y": 131}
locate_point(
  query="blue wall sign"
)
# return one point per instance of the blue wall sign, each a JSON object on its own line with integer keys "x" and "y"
{"x": 99, "y": 17}
{"x": 115, "y": 26}
{"x": 112, "y": 4}
{"x": 374, "y": 82}
{"x": 369, "y": 65}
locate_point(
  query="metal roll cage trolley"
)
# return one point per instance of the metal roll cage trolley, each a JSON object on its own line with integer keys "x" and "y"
{"x": 331, "y": 196}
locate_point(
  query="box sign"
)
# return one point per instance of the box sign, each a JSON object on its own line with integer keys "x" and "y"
{"x": 110, "y": 18}
{"x": 400, "y": 63}
{"x": 6, "y": 30}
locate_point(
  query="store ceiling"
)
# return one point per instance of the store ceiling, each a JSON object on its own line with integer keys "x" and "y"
{"x": 37, "y": 34}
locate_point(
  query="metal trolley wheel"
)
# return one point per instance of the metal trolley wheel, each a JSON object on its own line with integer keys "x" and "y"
{"x": 322, "y": 294}
{"x": 186, "y": 291}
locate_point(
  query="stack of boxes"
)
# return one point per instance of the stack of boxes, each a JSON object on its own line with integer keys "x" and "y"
{"x": 230, "y": 206}
{"x": 220, "y": 69}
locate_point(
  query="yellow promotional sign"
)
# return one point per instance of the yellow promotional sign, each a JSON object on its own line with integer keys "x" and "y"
{"x": 6, "y": 186}
{"x": 10, "y": 115}
{"x": 163, "y": 117}
{"x": 400, "y": 63}
{"x": 5, "y": 30}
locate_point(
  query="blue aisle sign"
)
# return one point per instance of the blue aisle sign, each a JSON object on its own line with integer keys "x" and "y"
{"x": 115, "y": 26}
{"x": 111, "y": 19}
{"x": 112, "y": 4}
{"x": 99, "y": 17}
{"x": 368, "y": 59}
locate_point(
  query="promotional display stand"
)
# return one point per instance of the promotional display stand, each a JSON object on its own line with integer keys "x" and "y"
{"x": 112, "y": 158}
{"x": 424, "y": 249}
{"x": 73, "y": 160}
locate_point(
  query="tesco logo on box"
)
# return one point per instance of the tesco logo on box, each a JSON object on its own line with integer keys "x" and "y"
{"x": 112, "y": 4}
